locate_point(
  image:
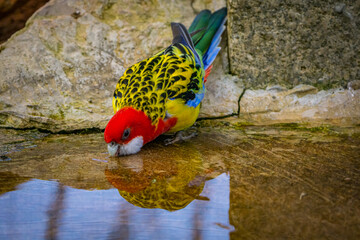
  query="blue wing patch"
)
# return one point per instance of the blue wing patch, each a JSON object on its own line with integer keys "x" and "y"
{"x": 198, "y": 98}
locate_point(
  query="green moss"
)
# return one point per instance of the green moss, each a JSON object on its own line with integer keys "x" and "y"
{"x": 287, "y": 125}
{"x": 319, "y": 129}
{"x": 303, "y": 127}
{"x": 355, "y": 135}
{"x": 329, "y": 85}
{"x": 55, "y": 116}
{"x": 212, "y": 123}
{"x": 4, "y": 105}
{"x": 61, "y": 112}
{"x": 37, "y": 114}
{"x": 56, "y": 49}
{"x": 283, "y": 126}
{"x": 81, "y": 33}
{"x": 69, "y": 72}
{"x": 316, "y": 129}
{"x": 3, "y": 119}
{"x": 60, "y": 115}
{"x": 241, "y": 125}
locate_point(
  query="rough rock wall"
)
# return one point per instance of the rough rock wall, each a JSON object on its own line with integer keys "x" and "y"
{"x": 301, "y": 104}
{"x": 60, "y": 71}
{"x": 295, "y": 42}
{"x": 298, "y": 60}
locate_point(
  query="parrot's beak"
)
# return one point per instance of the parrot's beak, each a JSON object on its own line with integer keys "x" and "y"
{"x": 132, "y": 147}
{"x": 113, "y": 149}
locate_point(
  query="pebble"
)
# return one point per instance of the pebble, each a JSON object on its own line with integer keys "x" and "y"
{"x": 303, "y": 194}
{"x": 339, "y": 8}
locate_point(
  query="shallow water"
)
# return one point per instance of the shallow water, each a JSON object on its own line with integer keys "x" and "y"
{"x": 231, "y": 181}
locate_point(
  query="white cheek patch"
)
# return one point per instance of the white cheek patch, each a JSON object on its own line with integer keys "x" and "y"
{"x": 132, "y": 147}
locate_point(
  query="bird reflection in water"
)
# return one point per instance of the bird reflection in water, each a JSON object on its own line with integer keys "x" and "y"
{"x": 158, "y": 180}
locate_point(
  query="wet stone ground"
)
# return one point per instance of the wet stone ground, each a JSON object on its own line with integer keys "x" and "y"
{"x": 231, "y": 181}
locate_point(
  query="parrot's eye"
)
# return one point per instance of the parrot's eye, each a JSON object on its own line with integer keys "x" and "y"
{"x": 126, "y": 134}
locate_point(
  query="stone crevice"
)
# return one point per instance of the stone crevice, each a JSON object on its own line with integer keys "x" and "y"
{"x": 237, "y": 113}
{"x": 240, "y": 97}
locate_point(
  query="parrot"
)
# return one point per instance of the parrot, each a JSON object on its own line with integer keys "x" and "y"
{"x": 162, "y": 94}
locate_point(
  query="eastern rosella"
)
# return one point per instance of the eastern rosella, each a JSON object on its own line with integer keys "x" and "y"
{"x": 163, "y": 93}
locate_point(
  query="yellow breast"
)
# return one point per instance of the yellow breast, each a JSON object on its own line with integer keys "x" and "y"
{"x": 186, "y": 115}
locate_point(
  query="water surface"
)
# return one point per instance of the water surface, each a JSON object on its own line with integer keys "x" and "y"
{"x": 229, "y": 182}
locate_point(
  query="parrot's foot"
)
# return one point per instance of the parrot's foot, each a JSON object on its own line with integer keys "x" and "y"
{"x": 180, "y": 136}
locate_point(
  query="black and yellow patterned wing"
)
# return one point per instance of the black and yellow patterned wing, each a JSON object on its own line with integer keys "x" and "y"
{"x": 171, "y": 74}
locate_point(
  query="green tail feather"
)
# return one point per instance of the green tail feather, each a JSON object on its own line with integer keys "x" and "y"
{"x": 199, "y": 25}
{"x": 205, "y": 26}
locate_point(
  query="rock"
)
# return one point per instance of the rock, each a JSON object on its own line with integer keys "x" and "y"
{"x": 339, "y": 8}
{"x": 354, "y": 85}
{"x": 276, "y": 88}
{"x": 302, "y": 104}
{"x": 294, "y": 42}
{"x": 222, "y": 90}
{"x": 60, "y": 71}
{"x": 218, "y": 104}
{"x": 303, "y": 53}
